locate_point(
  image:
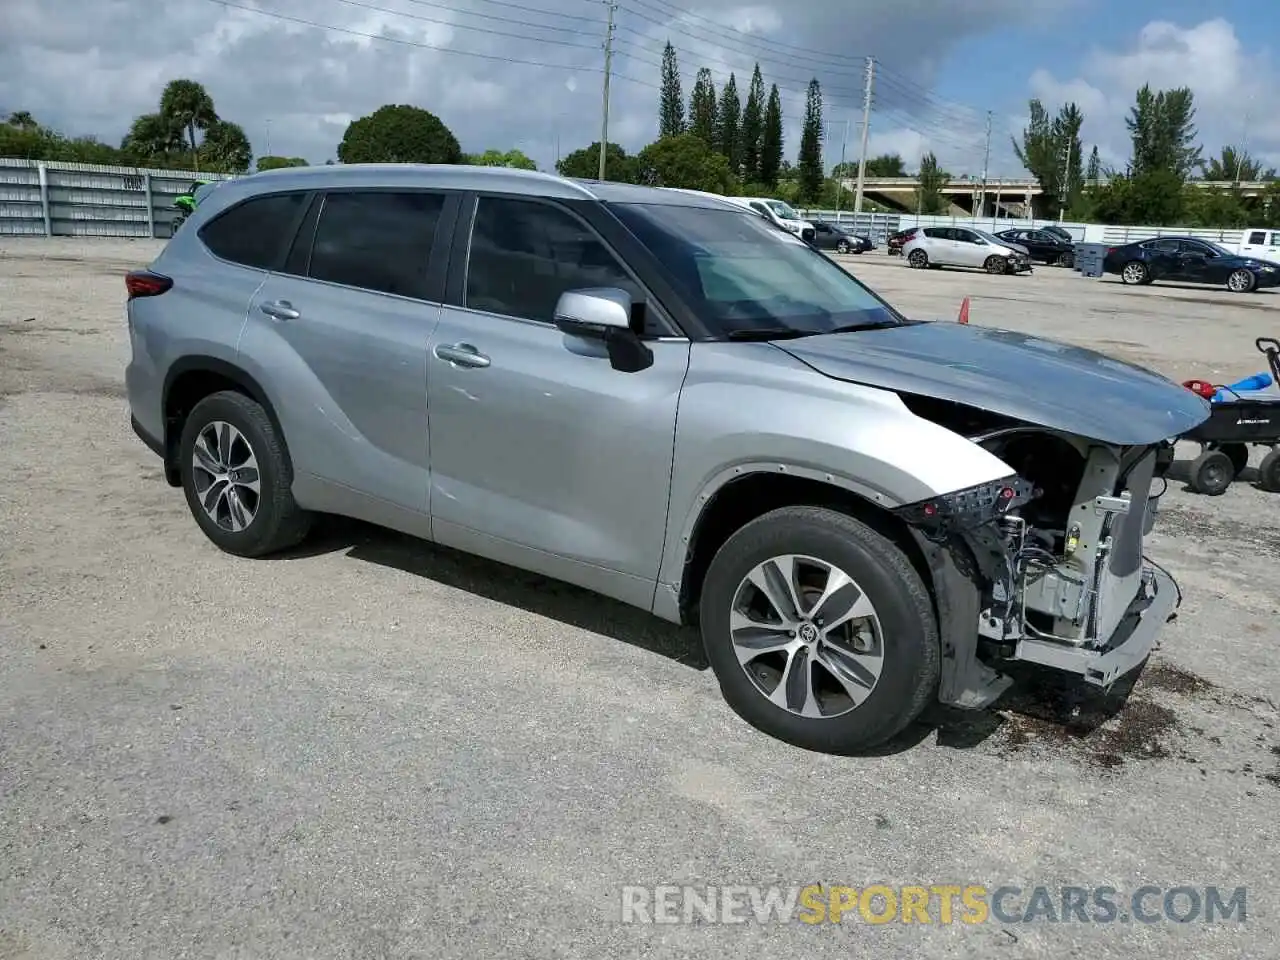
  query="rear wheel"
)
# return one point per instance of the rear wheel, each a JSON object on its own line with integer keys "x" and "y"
{"x": 819, "y": 630}
{"x": 1135, "y": 272}
{"x": 1269, "y": 471}
{"x": 1241, "y": 281}
{"x": 237, "y": 477}
{"x": 1212, "y": 473}
{"x": 918, "y": 259}
{"x": 1065, "y": 260}
{"x": 996, "y": 264}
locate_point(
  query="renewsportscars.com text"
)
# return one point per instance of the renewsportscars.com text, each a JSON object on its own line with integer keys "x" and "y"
{"x": 933, "y": 904}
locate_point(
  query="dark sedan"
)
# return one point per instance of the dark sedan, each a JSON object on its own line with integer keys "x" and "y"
{"x": 1189, "y": 260}
{"x": 1042, "y": 246}
{"x": 833, "y": 236}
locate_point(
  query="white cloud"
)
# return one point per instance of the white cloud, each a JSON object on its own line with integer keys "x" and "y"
{"x": 1210, "y": 58}
{"x": 92, "y": 67}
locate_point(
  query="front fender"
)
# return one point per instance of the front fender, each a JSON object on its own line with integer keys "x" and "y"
{"x": 751, "y": 408}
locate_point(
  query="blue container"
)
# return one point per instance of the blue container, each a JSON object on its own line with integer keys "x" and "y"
{"x": 1259, "y": 381}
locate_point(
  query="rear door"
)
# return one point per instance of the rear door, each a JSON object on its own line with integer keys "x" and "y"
{"x": 543, "y": 455}
{"x": 344, "y": 328}
{"x": 1164, "y": 258}
{"x": 939, "y": 245}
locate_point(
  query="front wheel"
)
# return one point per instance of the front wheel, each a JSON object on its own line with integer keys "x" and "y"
{"x": 918, "y": 259}
{"x": 842, "y": 246}
{"x": 1269, "y": 472}
{"x": 995, "y": 264}
{"x": 819, "y": 630}
{"x": 1212, "y": 473}
{"x": 1241, "y": 281}
{"x": 237, "y": 477}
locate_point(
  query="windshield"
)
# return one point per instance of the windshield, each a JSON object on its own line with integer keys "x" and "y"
{"x": 782, "y": 210}
{"x": 1218, "y": 248}
{"x": 743, "y": 275}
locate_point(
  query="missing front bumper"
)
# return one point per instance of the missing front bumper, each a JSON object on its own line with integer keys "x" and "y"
{"x": 1133, "y": 640}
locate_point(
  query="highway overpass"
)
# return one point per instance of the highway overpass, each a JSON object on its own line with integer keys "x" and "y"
{"x": 1005, "y": 196}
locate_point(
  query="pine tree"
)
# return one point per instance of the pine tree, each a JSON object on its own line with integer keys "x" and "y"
{"x": 729, "y": 121}
{"x": 671, "y": 102}
{"x": 810, "y": 159}
{"x": 771, "y": 140}
{"x": 703, "y": 108}
{"x": 753, "y": 129}
{"x": 1094, "y": 171}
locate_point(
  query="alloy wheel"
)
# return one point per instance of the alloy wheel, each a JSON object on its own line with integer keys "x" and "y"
{"x": 1240, "y": 282}
{"x": 225, "y": 475}
{"x": 807, "y": 636}
{"x": 1134, "y": 273}
{"x": 918, "y": 258}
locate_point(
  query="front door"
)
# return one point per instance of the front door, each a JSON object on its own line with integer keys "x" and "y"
{"x": 344, "y": 332}
{"x": 970, "y": 251}
{"x": 542, "y": 453}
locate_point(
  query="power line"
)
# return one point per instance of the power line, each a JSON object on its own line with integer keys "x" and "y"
{"x": 402, "y": 41}
{"x": 466, "y": 26}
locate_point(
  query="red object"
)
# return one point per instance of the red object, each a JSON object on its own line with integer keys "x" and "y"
{"x": 144, "y": 283}
{"x": 1201, "y": 388}
{"x": 964, "y": 311}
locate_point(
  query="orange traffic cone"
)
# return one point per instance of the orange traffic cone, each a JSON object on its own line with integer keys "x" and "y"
{"x": 964, "y": 312}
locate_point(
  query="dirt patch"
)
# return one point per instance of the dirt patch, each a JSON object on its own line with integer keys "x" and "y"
{"x": 1179, "y": 521}
{"x": 1165, "y": 676}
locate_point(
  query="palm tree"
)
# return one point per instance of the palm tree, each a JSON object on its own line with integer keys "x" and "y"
{"x": 1234, "y": 164}
{"x": 23, "y": 120}
{"x": 151, "y": 138}
{"x": 188, "y": 106}
{"x": 227, "y": 148}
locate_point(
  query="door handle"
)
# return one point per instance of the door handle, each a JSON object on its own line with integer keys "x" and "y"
{"x": 462, "y": 354}
{"x": 279, "y": 310}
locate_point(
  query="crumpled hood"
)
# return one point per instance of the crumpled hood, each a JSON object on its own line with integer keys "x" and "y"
{"x": 1038, "y": 381}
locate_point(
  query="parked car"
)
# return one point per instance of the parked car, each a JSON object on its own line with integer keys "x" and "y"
{"x": 861, "y": 512}
{"x": 832, "y": 236}
{"x": 781, "y": 213}
{"x": 1042, "y": 246}
{"x": 1060, "y": 232}
{"x": 965, "y": 247}
{"x": 1189, "y": 260}
{"x": 898, "y": 240}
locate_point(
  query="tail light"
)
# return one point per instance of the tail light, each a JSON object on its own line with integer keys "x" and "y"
{"x": 144, "y": 283}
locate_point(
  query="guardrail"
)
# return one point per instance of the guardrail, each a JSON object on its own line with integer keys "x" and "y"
{"x": 87, "y": 200}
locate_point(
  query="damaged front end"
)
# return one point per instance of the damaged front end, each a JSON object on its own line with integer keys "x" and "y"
{"x": 1046, "y": 565}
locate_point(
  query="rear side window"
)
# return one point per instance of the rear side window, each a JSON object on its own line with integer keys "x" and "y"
{"x": 255, "y": 233}
{"x": 935, "y": 233}
{"x": 376, "y": 240}
{"x": 1258, "y": 236}
{"x": 525, "y": 254}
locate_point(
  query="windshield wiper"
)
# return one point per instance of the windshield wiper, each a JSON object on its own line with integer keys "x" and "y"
{"x": 869, "y": 325}
{"x": 770, "y": 333}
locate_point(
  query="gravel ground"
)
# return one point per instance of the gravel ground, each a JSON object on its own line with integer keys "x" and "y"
{"x": 375, "y": 748}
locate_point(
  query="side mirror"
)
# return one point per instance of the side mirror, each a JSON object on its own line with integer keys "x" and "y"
{"x": 605, "y": 313}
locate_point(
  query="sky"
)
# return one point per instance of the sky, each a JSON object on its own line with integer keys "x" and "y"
{"x": 528, "y": 73}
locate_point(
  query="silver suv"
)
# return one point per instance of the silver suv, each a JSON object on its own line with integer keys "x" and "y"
{"x": 662, "y": 398}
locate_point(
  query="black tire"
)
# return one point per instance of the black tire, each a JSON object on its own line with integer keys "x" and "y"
{"x": 278, "y": 522}
{"x": 996, "y": 265}
{"x": 1242, "y": 281}
{"x": 1212, "y": 473}
{"x": 919, "y": 259}
{"x": 1065, "y": 260}
{"x": 909, "y": 675}
{"x": 842, "y": 246}
{"x": 1269, "y": 472}
{"x": 1239, "y": 454}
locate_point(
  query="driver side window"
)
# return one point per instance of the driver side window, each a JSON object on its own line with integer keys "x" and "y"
{"x": 524, "y": 254}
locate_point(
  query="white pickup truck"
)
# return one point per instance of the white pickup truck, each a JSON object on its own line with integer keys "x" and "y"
{"x": 1262, "y": 243}
{"x": 781, "y": 213}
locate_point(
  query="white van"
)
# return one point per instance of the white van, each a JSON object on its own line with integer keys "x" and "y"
{"x": 1262, "y": 243}
{"x": 781, "y": 213}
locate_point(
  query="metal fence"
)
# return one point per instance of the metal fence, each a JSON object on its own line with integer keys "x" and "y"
{"x": 86, "y": 200}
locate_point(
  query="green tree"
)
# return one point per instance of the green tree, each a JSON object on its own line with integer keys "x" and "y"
{"x": 1066, "y": 137}
{"x": 1233, "y": 164}
{"x": 277, "y": 163}
{"x": 186, "y": 105}
{"x": 499, "y": 158}
{"x": 1051, "y": 151}
{"x": 1154, "y": 198}
{"x": 809, "y": 160}
{"x": 226, "y": 148}
{"x": 399, "y": 133}
{"x": 931, "y": 180}
{"x": 23, "y": 120}
{"x": 729, "y": 124}
{"x": 753, "y": 129}
{"x": 885, "y": 165}
{"x": 686, "y": 161}
{"x": 584, "y": 164}
{"x": 671, "y": 98}
{"x": 1094, "y": 170}
{"x": 1162, "y": 128}
{"x": 702, "y": 107}
{"x": 771, "y": 140}
{"x": 151, "y": 139}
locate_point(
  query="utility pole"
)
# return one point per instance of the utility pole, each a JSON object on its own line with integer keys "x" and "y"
{"x": 268, "y": 138}
{"x": 866, "y": 128}
{"x": 1066, "y": 181}
{"x": 1244, "y": 143}
{"x": 844, "y": 139}
{"x": 612, "y": 7}
{"x": 986, "y": 163}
